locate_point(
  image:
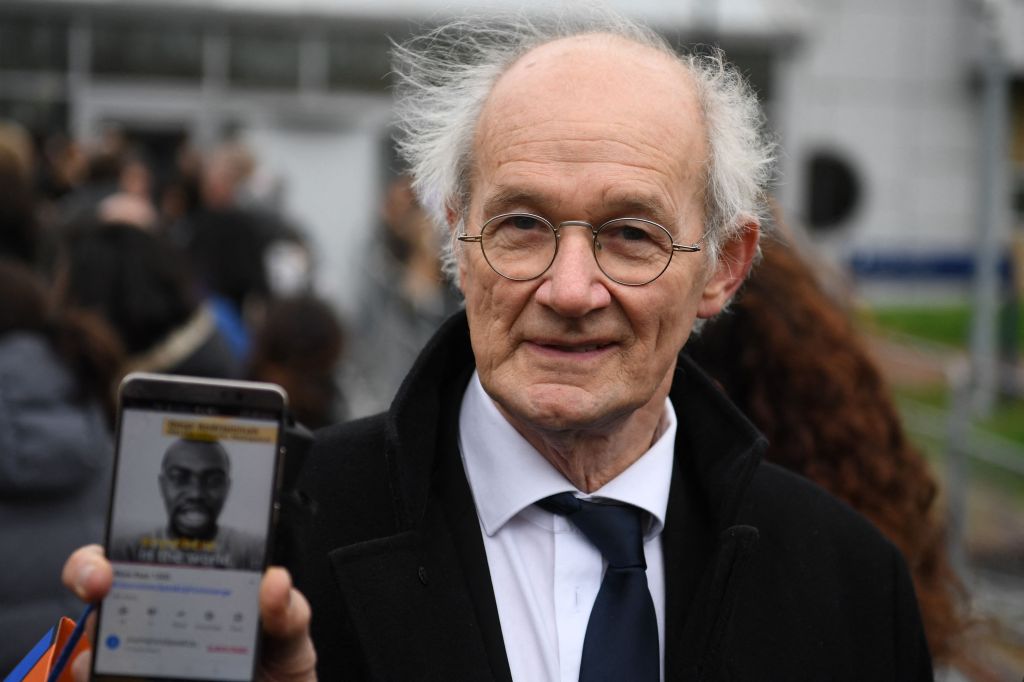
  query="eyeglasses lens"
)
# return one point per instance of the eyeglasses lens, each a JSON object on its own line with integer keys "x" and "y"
{"x": 630, "y": 251}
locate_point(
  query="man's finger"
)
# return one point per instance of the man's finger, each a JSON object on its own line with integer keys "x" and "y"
{"x": 87, "y": 573}
{"x": 288, "y": 652}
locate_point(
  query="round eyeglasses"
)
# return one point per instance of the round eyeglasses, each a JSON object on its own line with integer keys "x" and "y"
{"x": 629, "y": 251}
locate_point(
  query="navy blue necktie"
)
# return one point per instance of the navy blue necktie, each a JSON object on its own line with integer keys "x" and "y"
{"x": 622, "y": 634}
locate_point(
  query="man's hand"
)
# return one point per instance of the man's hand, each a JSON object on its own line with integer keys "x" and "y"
{"x": 288, "y": 654}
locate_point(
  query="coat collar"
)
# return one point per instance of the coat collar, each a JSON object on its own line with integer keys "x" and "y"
{"x": 717, "y": 453}
{"x": 428, "y": 398}
{"x": 718, "y": 446}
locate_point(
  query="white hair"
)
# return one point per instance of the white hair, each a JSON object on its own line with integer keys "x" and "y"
{"x": 445, "y": 76}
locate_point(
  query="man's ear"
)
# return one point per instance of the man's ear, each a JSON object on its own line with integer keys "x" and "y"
{"x": 734, "y": 260}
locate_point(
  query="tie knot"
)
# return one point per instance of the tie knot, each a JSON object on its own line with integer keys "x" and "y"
{"x": 617, "y": 530}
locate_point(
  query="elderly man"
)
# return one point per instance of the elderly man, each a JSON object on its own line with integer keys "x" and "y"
{"x": 556, "y": 493}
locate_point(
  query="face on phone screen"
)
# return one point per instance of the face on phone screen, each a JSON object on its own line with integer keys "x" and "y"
{"x": 187, "y": 540}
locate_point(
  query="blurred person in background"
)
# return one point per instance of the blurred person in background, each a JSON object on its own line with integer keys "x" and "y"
{"x": 118, "y": 187}
{"x": 57, "y": 377}
{"x": 298, "y": 346}
{"x": 224, "y": 174}
{"x": 63, "y": 167}
{"x": 142, "y": 285}
{"x": 128, "y": 209}
{"x": 405, "y": 298}
{"x": 19, "y": 228}
{"x": 790, "y": 357}
{"x": 105, "y": 161}
{"x": 16, "y": 144}
{"x": 227, "y": 249}
{"x": 132, "y": 200}
{"x": 178, "y": 196}
{"x": 243, "y": 252}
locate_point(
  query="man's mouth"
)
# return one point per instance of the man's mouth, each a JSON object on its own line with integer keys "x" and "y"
{"x": 573, "y": 348}
{"x": 192, "y": 517}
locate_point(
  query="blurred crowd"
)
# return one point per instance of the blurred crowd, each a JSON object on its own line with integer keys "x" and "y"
{"x": 110, "y": 263}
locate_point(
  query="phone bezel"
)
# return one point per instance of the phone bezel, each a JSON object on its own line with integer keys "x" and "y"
{"x": 174, "y": 394}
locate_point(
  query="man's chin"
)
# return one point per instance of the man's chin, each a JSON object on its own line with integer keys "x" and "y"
{"x": 561, "y": 408}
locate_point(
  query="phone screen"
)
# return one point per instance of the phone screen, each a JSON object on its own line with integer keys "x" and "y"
{"x": 187, "y": 537}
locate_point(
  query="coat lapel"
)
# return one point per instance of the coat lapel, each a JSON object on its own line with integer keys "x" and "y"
{"x": 422, "y": 600}
{"x": 716, "y": 453}
{"x": 408, "y": 601}
{"x": 464, "y": 524}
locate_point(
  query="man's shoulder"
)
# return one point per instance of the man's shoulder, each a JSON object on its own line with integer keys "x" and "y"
{"x": 350, "y": 432}
{"x": 832, "y": 586}
{"x": 237, "y": 538}
{"x": 127, "y": 547}
{"x": 786, "y": 505}
{"x": 244, "y": 549}
{"x": 349, "y": 478}
{"x": 346, "y": 448}
{"x": 782, "y": 491}
{"x": 158, "y": 532}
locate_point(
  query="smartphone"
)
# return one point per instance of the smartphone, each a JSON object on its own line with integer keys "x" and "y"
{"x": 189, "y": 528}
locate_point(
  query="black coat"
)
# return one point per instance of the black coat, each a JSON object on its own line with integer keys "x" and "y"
{"x": 767, "y": 576}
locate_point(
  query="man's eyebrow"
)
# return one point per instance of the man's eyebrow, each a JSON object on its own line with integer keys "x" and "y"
{"x": 637, "y": 206}
{"x": 201, "y": 469}
{"x": 503, "y": 199}
{"x": 613, "y": 205}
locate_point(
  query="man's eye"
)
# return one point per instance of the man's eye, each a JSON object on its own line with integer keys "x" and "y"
{"x": 523, "y": 222}
{"x": 178, "y": 476}
{"x": 631, "y": 233}
{"x": 628, "y": 232}
{"x": 214, "y": 480}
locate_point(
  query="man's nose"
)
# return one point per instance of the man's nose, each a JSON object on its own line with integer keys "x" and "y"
{"x": 574, "y": 285}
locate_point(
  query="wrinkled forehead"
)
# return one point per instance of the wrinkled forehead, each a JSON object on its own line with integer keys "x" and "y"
{"x": 196, "y": 456}
{"x": 596, "y": 86}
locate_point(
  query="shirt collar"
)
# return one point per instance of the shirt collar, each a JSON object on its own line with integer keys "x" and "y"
{"x": 506, "y": 473}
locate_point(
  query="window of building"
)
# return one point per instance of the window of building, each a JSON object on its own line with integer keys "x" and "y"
{"x": 263, "y": 59}
{"x": 147, "y": 50}
{"x": 33, "y": 44}
{"x": 38, "y": 117}
{"x": 833, "y": 190}
{"x": 358, "y": 62}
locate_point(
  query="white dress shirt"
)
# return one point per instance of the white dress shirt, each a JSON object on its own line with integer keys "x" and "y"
{"x": 545, "y": 573}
